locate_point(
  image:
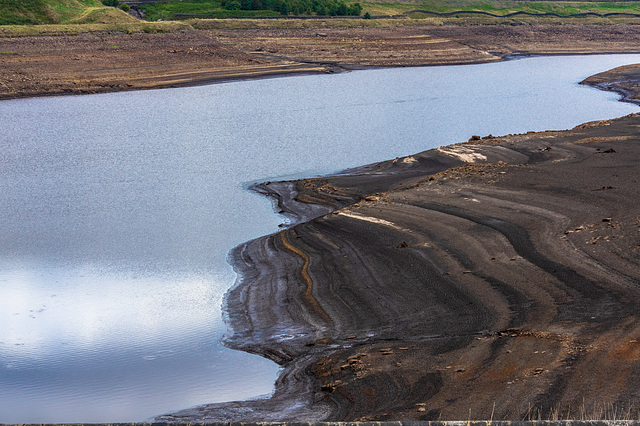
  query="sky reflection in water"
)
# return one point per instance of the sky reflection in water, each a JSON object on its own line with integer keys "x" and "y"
{"x": 117, "y": 212}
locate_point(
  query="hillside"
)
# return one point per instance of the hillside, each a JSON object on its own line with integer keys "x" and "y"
{"x": 33, "y": 12}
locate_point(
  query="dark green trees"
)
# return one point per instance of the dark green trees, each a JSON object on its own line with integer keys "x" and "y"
{"x": 296, "y": 7}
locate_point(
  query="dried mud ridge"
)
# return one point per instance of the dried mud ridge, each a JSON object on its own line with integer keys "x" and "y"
{"x": 498, "y": 278}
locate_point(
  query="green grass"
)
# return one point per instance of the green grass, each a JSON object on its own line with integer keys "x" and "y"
{"x": 185, "y": 9}
{"x": 169, "y": 9}
{"x": 503, "y": 7}
{"x": 35, "y": 12}
{"x": 88, "y": 12}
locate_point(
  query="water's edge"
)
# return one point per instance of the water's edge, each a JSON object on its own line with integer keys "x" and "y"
{"x": 296, "y": 345}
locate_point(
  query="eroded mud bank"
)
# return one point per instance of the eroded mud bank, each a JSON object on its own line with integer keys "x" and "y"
{"x": 499, "y": 278}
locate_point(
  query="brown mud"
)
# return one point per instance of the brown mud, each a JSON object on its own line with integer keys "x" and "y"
{"x": 623, "y": 80}
{"x": 493, "y": 279}
{"x": 112, "y": 61}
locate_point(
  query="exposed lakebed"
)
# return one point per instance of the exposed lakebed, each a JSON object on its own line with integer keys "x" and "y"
{"x": 117, "y": 212}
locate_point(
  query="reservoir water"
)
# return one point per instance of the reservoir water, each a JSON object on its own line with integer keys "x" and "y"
{"x": 117, "y": 212}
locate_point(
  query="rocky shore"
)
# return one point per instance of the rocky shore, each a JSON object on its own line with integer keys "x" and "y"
{"x": 493, "y": 279}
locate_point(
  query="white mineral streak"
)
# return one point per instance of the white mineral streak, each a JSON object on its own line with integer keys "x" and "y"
{"x": 466, "y": 154}
{"x": 371, "y": 219}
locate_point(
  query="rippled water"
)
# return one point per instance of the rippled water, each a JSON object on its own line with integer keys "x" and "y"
{"x": 117, "y": 211}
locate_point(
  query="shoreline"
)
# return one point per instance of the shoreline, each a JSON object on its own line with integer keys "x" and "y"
{"x": 221, "y": 77}
{"x": 302, "y": 69}
{"x": 482, "y": 335}
{"x": 112, "y": 62}
{"x": 625, "y": 81}
{"x": 324, "y": 365}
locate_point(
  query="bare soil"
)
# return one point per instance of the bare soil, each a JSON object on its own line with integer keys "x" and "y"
{"x": 104, "y": 62}
{"x": 493, "y": 279}
{"x": 428, "y": 287}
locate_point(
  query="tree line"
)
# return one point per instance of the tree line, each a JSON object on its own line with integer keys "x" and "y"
{"x": 297, "y": 7}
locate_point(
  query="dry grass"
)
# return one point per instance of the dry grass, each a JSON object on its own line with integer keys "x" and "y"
{"x": 75, "y": 29}
{"x": 114, "y": 20}
{"x": 103, "y": 15}
{"x": 598, "y": 412}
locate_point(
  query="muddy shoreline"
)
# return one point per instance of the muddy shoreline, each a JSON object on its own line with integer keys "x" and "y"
{"x": 492, "y": 279}
{"x": 111, "y": 61}
{"x": 498, "y": 278}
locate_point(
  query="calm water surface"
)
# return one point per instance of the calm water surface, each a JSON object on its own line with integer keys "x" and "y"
{"x": 117, "y": 212}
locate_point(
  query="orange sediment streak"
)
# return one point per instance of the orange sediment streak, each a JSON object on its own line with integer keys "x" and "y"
{"x": 308, "y": 294}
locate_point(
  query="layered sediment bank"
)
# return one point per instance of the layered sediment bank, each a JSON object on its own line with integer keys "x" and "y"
{"x": 497, "y": 278}
{"x": 113, "y": 61}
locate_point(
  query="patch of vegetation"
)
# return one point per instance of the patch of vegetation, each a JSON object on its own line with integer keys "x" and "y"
{"x": 168, "y": 10}
{"x": 104, "y": 15}
{"x": 75, "y": 29}
{"x": 29, "y": 12}
{"x": 286, "y": 23}
{"x": 503, "y": 7}
{"x": 297, "y": 7}
{"x": 171, "y": 10}
{"x": 464, "y": 12}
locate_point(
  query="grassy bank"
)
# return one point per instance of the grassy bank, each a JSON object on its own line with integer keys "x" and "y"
{"x": 178, "y": 9}
{"x": 37, "y": 12}
{"x": 64, "y": 17}
{"x": 502, "y": 8}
